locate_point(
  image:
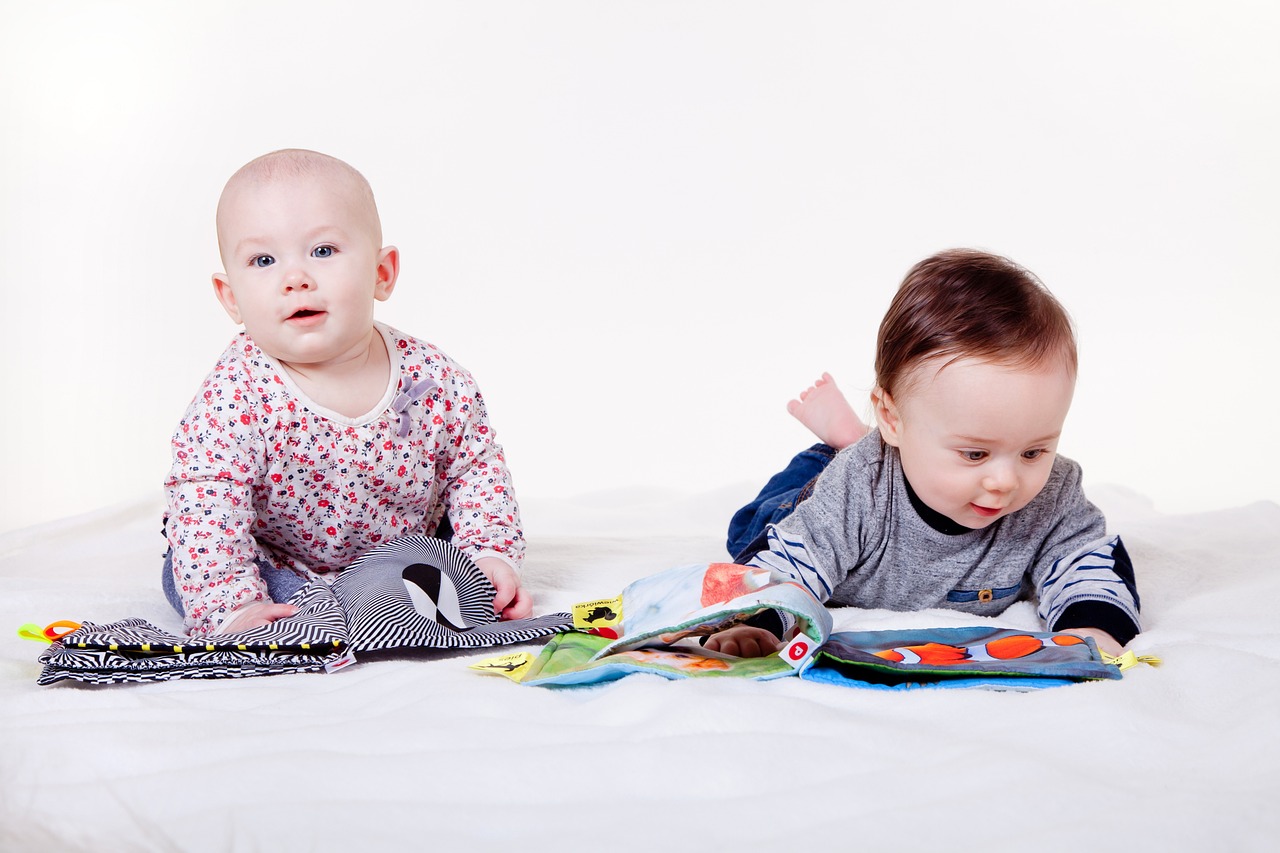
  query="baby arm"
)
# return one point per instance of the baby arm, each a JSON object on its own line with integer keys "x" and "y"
{"x": 805, "y": 548}
{"x": 1071, "y": 596}
{"x": 212, "y": 555}
{"x": 481, "y": 504}
{"x": 210, "y": 515}
{"x": 1084, "y": 577}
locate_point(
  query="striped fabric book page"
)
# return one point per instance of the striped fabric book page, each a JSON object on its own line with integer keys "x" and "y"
{"x": 412, "y": 592}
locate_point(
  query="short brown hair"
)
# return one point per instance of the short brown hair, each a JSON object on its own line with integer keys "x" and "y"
{"x": 964, "y": 303}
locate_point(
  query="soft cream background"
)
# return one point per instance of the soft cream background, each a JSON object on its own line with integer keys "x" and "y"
{"x": 643, "y": 226}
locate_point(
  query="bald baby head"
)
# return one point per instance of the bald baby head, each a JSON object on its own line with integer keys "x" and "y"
{"x": 298, "y": 165}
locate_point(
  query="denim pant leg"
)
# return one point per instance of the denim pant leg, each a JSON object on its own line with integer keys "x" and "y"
{"x": 776, "y": 501}
{"x": 281, "y": 583}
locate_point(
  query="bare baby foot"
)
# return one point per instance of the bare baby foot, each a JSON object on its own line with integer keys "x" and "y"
{"x": 824, "y": 410}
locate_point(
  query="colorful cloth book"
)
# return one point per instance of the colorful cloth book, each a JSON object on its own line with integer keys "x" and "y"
{"x": 655, "y": 624}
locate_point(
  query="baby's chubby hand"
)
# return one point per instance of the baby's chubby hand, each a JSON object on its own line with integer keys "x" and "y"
{"x": 512, "y": 600}
{"x": 744, "y": 641}
{"x": 255, "y": 616}
{"x": 1105, "y": 641}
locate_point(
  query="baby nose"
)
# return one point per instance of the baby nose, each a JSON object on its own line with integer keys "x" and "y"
{"x": 297, "y": 279}
{"x": 999, "y": 479}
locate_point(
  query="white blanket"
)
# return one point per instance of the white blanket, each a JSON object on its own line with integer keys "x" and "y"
{"x": 416, "y": 751}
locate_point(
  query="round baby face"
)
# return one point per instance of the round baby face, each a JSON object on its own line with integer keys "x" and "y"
{"x": 303, "y": 266}
{"x": 978, "y": 440}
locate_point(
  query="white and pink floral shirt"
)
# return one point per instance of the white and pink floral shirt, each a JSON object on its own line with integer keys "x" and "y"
{"x": 262, "y": 473}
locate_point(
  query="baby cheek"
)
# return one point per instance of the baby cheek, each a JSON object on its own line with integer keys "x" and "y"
{"x": 1034, "y": 484}
{"x": 944, "y": 488}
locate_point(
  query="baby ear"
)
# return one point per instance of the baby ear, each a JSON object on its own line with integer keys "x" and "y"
{"x": 388, "y": 272}
{"x": 222, "y": 289}
{"x": 887, "y": 415}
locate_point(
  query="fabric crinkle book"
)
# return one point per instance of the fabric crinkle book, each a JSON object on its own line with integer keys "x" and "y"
{"x": 415, "y": 592}
{"x": 656, "y": 624}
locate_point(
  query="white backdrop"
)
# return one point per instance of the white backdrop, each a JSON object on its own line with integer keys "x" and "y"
{"x": 645, "y": 225}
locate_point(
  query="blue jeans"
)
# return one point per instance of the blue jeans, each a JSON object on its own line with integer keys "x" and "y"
{"x": 778, "y": 499}
{"x": 281, "y": 583}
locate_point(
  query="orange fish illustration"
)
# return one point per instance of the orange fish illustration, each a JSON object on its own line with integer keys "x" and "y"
{"x": 1004, "y": 648}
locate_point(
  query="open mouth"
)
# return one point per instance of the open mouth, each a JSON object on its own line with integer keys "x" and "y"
{"x": 304, "y": 313}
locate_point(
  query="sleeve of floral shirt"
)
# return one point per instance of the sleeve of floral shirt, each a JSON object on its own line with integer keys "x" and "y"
{"x": 480, "y": 502}
{"x": 217, "y": 450}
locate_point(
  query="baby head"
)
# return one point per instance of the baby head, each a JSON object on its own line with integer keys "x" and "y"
{"x": 975, "y": 370}
{"x": 301, "y": 246}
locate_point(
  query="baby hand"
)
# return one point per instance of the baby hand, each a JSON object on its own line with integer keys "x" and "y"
{"x": 1105, "y": 641}
{"x": 744, "y": 641}
{"x": 512, "y": 600}
{"x": 255, "y": 616}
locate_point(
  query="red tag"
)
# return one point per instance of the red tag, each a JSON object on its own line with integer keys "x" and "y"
{"x": 798, "y": 650}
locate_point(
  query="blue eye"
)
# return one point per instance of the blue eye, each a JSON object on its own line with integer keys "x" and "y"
{"x": 322, "y": 252}
{"x": 974, "y": 455}
{"x": 1033, "y": 454}
{"x": 262, "y": 260}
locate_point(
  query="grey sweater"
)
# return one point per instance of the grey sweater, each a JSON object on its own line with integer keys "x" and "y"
{"x": 859, "y": 541}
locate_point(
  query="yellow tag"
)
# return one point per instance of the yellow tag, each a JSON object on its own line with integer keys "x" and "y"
{"x": 1129, "y": 660}
{"x": 602, "y": 613}
{"x": 512, "y": 666}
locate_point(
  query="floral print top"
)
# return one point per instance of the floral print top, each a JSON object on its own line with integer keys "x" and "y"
{"x": 261, "y": 473}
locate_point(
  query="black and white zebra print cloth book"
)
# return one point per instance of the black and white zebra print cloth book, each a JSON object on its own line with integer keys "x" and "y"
{"x": 412, "y": 592}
